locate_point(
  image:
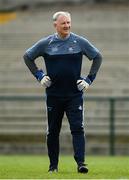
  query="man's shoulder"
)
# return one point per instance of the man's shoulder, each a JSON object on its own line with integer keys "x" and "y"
{"x": 76, "y": 35}
{"x": 78, "y": 38}
{"x": 47, "y": 39}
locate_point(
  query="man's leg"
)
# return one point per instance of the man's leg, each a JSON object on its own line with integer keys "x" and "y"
{"x": 74, "y": 112}
{"x": 55, "y": 114}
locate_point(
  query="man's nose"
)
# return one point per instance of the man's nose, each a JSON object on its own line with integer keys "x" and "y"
{"x": 67, "y": 25}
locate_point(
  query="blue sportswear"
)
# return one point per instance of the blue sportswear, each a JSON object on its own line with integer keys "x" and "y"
{"x": 63, "y": 60}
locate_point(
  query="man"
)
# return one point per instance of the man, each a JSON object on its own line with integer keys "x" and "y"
{"x": 63, "y": 52}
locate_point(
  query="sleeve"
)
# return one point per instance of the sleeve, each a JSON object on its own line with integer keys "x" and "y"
{"x": 30, "y": 64}
{"x": 87, "y": 48}
{"x": 92, "y": 53}
{"x": 97, "y": 60}
{"x": 34, "y": 52}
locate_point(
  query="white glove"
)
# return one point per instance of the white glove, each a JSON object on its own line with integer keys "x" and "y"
{"x": 46, "y": 81}
{"x": 82, "y": 85}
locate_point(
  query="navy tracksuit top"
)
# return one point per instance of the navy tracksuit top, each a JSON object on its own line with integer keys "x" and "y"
{"x": 63, "y": 60}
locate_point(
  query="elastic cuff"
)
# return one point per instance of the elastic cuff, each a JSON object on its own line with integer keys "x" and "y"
{"x": 39, "y": 75}
{"x": 88, "y": 80}
{"x": 92, "y": 77}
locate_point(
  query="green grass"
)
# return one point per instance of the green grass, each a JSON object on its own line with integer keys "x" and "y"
{"x": 36, "y": 167}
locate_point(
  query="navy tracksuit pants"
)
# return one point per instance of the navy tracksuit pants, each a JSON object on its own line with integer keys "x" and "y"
{"x": 73, "y": 107}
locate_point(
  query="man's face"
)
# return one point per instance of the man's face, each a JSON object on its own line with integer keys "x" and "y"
{"x": 63, "y": 25}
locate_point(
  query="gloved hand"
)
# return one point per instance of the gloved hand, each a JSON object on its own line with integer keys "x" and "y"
{"x": 46, "y": 81}
{"x": 43, "y": 78}
{"x": 83, "y": 84}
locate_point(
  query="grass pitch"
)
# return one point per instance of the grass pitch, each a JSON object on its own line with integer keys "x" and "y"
{"x": 36, "y": 167}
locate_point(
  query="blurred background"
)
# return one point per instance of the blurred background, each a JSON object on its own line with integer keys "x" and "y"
{"x": 23, "y": 121}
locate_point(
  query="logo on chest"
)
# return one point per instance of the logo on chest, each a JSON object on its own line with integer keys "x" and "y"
{"x": 70, "y": 49}
{"x": 54, "y": 49}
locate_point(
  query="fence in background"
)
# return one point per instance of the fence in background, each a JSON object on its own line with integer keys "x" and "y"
{"x": 107, "y": 119}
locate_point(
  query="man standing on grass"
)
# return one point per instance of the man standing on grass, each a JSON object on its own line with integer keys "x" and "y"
{"x": 63, "y": 52}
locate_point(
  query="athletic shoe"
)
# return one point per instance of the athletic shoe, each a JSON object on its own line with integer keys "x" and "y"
{"x": 53, "y": 170}
{"x": 82, "y": 168}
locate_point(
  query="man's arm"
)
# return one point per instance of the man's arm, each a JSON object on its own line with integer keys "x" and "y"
{"x": 29, "y": 58}
{"x": 30, "y": 64}
{"x": 39, "y": 74}
{"x": 86, "y": 82}
{"x": 92, "y": 53}
{"x": 97, "y": 60}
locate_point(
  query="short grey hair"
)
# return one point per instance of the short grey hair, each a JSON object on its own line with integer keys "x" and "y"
{"x": 57, "y": 14}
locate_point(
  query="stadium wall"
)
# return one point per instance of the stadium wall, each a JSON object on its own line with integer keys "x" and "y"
{"x": 107, "y": 27}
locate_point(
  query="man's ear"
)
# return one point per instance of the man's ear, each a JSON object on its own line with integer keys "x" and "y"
{"x": 54, "y": 24}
